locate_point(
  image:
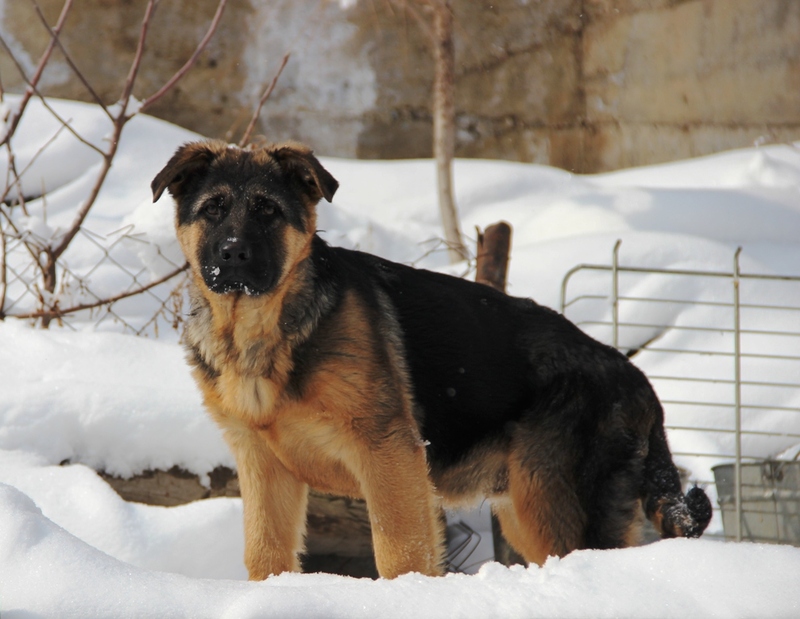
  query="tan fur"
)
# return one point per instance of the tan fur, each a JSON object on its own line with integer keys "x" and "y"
{"x": 353, "y": 432}
{"x": 482, "y": 474}
{"x": 304, "y": 364}
{"x": 635, "y": 532}
{"x": 542, "y": 516}
{"x": 328, "y": 440}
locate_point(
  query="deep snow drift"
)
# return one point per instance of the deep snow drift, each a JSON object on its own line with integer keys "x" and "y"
{"x": 69, "y": 546}
{"x": 48, "y": 572}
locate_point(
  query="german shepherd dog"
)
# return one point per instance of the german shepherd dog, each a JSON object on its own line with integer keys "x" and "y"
{"x": 338, "y": 370}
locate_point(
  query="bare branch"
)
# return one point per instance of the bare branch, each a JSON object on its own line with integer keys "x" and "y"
{"x": 267, "y": 92}
{"x": 13, "y": 178}
{"x": 33, "y": 251}
{"x": 119, "y": 123}
{"x": 83, "y": 211}
{"x": 3, "y": 273}
{"x": 66, "y": 125}
{"x": 12, "y": 170}
{"x": 122, "y": 117}
{"x": 46, "y": 254}
{"x": 130, "y": 80}
{"x": 33, "y": 90}
{"x": 33, "y": 81}
{"x": 212, "y": 28}
{"x": 78, "y": 73}
{"x": 58, "y": 312}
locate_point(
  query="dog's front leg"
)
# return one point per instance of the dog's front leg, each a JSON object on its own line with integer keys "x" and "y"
{"x": 407, "y": 533}
{"x": 275, "y": 504}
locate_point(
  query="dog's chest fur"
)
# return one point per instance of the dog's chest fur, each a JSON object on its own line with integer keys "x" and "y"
{"x": 245, "y": 370}
{"x": 241, "y": 365}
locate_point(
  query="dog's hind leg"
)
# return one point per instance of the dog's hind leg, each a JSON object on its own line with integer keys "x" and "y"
{"x": 542, "y": 515}
{"x": 616, "y": 517}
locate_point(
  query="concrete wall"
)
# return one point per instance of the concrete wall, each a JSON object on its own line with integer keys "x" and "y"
{"x": 586, "y": 85}
{"x": 667, "y": 80}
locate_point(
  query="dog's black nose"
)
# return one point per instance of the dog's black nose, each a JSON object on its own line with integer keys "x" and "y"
{"x": 234, "y": 252}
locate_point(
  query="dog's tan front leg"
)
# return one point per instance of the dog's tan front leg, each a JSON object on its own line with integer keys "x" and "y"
{"x": 406, "y": 531}
{"x": 275, "y": 504}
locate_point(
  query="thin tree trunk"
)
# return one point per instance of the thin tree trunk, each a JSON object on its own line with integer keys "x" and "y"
{"x": 444, "y": 126}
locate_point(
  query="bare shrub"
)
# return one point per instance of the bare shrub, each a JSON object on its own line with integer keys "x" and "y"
{"x": 36, "y": 281}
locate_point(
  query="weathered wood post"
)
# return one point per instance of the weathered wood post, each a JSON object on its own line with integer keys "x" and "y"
{"x": 494, "y": 245}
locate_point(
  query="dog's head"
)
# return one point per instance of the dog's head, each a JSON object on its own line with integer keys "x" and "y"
{"x": 244, "y": 217}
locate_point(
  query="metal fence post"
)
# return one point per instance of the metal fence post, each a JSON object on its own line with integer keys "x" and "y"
{"x": 730, "y": 474}
{"x": 615, "y": 293}
{"x": 737, "y": 355}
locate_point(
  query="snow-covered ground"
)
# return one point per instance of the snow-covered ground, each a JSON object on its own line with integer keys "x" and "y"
{"x": 96, "y": 398}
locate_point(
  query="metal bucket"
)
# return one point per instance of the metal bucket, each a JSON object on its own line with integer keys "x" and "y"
{"x": 770, "y": 501}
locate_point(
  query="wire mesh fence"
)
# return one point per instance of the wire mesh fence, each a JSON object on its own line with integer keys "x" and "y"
{"x": 52, "y": 152}
{"x": 722, "y": 350}
{"x": 102, "y": 282}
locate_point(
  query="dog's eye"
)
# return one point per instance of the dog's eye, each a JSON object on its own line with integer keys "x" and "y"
{"x": 214, "y": 207}
{"x": 265, "y": 206}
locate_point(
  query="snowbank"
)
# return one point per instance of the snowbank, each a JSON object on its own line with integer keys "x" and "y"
{"x": 675, "y": 578}
{"x": 102, "y": 400}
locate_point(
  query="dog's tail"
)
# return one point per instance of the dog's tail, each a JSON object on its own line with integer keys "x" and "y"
{"x": 672, "y": 513}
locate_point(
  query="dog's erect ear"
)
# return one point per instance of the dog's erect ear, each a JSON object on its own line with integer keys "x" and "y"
{"x": 299, "y": 161}
{"x": 186, "y": 162}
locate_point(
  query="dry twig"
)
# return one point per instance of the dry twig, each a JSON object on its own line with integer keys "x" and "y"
{"x": 46, "y": 259}
{"x": 54, "y": 35}
{"x": 34, "y": 80}
{"x": 189, "y": 63}
{"x": 264, "y": 96}
{"x": 59, "y": 312}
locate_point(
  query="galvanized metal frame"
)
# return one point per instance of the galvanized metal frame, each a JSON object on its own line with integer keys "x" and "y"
{"x": 736, "y": 277}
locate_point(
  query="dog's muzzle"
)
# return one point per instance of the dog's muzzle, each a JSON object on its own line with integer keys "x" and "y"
{"x": 232, "y": 269}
